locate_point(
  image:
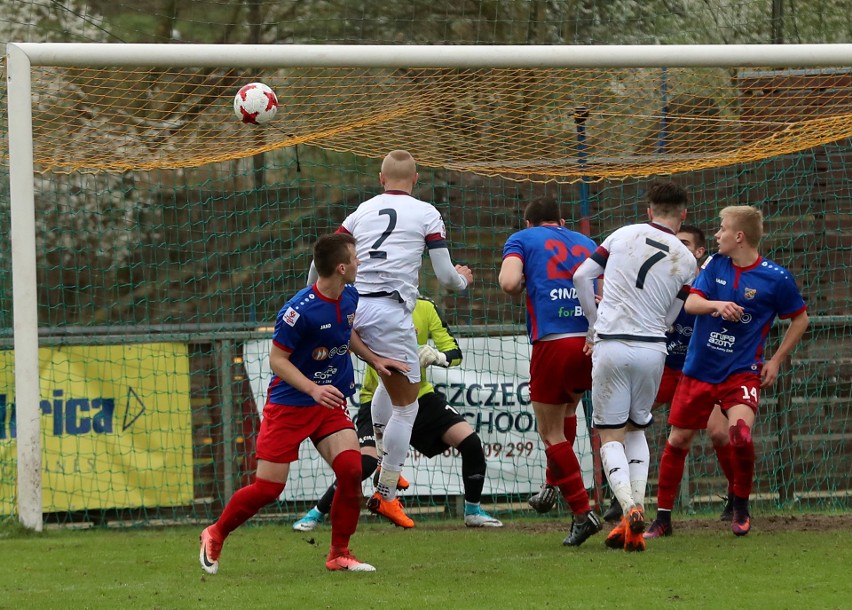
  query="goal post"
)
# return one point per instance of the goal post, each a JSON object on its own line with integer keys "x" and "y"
{"x": 435, "y": 90}
{"x": 24, "y": 287}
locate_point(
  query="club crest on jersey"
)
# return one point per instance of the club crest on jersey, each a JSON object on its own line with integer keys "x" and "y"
{"x": 350, "y": 318}
{"x": 750, "y": 293}
{"x": 290, "y": 316}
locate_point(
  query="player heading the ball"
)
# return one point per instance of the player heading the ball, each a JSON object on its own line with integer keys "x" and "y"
{"x": 391, "y": 230}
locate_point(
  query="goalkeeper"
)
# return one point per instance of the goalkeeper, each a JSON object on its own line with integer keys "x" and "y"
{"x": 437, "y": 427}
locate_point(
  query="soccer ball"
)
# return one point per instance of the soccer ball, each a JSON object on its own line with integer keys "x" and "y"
{"x": 255, "y": 103}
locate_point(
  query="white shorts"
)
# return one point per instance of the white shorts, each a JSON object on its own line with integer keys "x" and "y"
{"x": 387, "y": 329}
{"x": 625, "y": 380}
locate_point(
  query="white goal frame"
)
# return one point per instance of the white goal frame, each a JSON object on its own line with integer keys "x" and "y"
{"x": 21, "y": 57}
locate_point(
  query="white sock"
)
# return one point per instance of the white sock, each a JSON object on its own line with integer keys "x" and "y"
{"x": 387, "y": 483}
{"x": 617, "y": 473}
{"x": 381, "y": 410}
{"x": 638, "y": 456}
{"x": 396, "y": 441}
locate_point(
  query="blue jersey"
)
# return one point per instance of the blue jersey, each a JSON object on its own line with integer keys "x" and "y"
{"x": 551, "y": 255}
{"x": 316, "y": 332}
{"x": 721, "y": 348}
{"x": 677, "y": 341}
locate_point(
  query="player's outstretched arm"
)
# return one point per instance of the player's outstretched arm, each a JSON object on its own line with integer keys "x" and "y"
{"x": 454, "y": 277}
{"x": 794, "y": 334}
{"x": 313, "y": 275}
{"x": 584, "y": 284}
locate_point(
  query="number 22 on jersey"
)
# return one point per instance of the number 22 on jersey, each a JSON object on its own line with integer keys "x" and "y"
{"x": 556, "y": 265}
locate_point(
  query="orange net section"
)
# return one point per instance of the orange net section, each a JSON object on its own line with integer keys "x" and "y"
{"x": 540, "y": 125}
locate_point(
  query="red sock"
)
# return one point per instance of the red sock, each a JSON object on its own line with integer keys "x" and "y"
{"x": 671, "y": 473}
{"x": 245, "y": 503}
{"x": 570, "y": 430}
{"x": 568, "y": 477}
{"x": 346, "y": 505}
{"x": 726, "y": 463}
{"x": 742, "y": 448}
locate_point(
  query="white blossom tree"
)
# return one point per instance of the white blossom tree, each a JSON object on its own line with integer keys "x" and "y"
{"x": 83, "y": 221}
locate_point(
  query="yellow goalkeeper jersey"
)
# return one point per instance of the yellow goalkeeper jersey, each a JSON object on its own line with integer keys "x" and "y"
{"x": 428, "y": 323}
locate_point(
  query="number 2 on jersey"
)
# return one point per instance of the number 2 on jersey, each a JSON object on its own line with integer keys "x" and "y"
{"x": 375, "y": 252}
{"x": 650, "y": 261}
{"x": 560, "y": 256}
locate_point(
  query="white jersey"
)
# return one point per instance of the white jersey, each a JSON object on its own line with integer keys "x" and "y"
{"x": 645, "y": 268}
{"x": 391, "y": 231}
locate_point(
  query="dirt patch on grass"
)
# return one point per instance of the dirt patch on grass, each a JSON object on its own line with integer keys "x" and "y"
{"x": 763, "y": 523}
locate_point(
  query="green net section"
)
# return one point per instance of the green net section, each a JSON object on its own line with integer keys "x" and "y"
{"x": 153, "y": 285}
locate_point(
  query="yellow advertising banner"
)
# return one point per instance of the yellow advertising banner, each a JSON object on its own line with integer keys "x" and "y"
{"x": 116, "y": 427}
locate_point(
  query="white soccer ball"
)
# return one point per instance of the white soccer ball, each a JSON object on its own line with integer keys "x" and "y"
{"x": 255, "y": 103}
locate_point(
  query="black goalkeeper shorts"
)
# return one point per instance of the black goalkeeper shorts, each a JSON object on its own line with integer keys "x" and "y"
{"x": 434, "y": 417}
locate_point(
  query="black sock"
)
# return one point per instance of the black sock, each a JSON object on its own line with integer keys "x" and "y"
{"x": 324, "y": 503}
{"x": 740, "y": 504}
{"x": 368, "y": 466}
{"x": 473, "y": 468}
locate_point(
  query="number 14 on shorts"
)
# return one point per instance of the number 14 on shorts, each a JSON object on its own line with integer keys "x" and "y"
{"x": 749, "y": 394}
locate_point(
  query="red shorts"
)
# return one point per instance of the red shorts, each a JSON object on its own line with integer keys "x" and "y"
{"x": 694, "y": 400}
{"x": 558, "y": 369}
{"x": 284, "y": 428}
{"x": 668, "y": 385}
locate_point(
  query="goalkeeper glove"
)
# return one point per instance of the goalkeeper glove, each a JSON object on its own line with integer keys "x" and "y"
{"x": 430, "y": 355}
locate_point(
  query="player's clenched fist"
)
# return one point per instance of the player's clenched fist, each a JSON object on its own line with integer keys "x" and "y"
{"x": 729, "y": 311}
{"x": 466, "y": 273}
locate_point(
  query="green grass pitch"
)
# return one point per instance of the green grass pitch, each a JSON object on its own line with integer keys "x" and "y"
{"x": 786, "y": 562}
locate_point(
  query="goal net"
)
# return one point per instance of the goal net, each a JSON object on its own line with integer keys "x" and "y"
{"x": 165, "y": 235}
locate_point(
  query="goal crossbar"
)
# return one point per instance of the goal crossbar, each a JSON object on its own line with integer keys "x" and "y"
{"x": 435, "y": 56}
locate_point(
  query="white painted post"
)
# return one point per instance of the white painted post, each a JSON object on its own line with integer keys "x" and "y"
{"x": 24, "y": 288}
